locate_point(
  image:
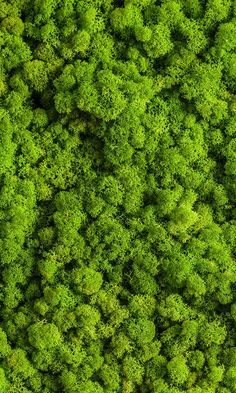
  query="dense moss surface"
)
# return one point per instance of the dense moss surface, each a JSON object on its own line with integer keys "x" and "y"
{"x": 118, "y": 196}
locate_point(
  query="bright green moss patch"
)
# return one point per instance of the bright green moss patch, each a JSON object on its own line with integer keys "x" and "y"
{"x": 117, "y": 196}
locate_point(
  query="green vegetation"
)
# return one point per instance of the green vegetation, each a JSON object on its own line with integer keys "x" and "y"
{"x": 117, "y": 196}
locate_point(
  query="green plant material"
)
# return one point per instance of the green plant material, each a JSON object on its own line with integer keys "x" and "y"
{"x": 117, "y": 196}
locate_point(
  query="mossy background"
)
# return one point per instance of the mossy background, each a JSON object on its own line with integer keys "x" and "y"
{"x": 117, "y": 196}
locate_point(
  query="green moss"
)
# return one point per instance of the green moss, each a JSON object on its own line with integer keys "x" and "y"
{"x": 117, "y": 196}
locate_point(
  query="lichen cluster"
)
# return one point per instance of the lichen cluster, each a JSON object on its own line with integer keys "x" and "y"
{"x": 117, "y": 196}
